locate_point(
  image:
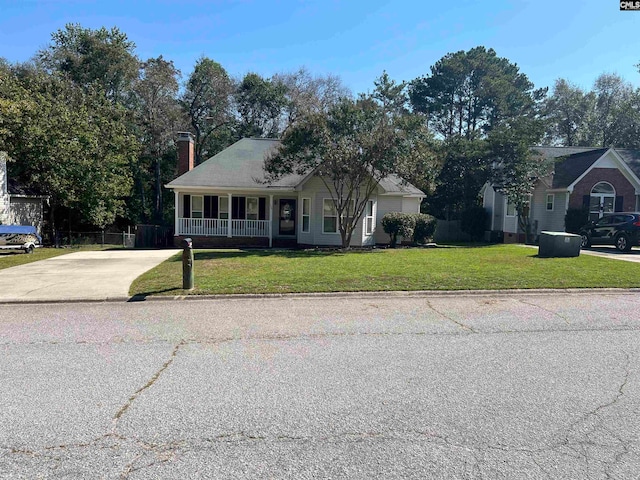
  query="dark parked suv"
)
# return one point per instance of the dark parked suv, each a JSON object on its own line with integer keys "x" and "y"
{"x": 620, "y": 229}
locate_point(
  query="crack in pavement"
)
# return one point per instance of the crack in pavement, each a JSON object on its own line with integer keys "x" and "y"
{"x": 460, "y": 324}
{"x": 579, "y": 442}
{"x": 151, "y": 381}
{"x": 531, "y": 304}
{"x": 216, "y": 340}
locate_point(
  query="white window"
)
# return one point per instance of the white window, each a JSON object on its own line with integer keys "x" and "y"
{"x": 306, "y": 215}
{"x": 252, "y": 208}
{"x": 368, "y": 219}
{"x": 223, "y": 210}
{"x": 329, "y": 216}
{"x": 550, "y": 200}
{"x": 196, "y": 206}
{"x": 511, "y": 209}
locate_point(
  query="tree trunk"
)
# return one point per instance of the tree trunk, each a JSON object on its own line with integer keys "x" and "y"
{"x": 158, "y": 193}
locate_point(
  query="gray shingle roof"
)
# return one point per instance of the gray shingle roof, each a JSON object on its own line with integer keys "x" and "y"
{"x": 631, "y": 158}
{"x": 240, "y": 166}
{"x": 395, "y": 184}
{"x": 574, "y": 161}
{"x": 569, "y": 168}
{"x": 554, "y": 152}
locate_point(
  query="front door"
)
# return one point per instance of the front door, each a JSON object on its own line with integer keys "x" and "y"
{"x": 287, "y": 213}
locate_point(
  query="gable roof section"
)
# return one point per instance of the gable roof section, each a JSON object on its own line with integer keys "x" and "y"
{"x": 394, "y": 185}
{"x": 569, "y": 168}
{"x": 631, "y": 158}
{"x": 240, "y": 166}
{"x": 237, "y": 166}
{"x": 555, "y": 152}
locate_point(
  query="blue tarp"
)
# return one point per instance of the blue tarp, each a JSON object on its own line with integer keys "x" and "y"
{"x": 20, "y": 229}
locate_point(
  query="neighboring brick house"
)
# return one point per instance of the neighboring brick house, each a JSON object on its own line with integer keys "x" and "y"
{"x": 603, "y": 180}
{"x": 19, "y": 205}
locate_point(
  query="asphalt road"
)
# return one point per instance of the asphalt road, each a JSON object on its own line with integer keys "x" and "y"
{"x": 452, "y": 387}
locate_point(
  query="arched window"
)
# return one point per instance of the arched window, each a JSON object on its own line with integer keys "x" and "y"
{"x": 603, "y": 200}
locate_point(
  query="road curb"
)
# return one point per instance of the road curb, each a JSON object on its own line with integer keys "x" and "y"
{"x": 373, "y": 294}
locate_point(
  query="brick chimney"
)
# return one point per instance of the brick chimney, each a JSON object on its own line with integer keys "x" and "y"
{"x": 186, "y": 152}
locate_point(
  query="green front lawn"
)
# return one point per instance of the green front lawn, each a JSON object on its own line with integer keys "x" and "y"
{"x": 454, "y": 268}
{"x": 13, "y": 258}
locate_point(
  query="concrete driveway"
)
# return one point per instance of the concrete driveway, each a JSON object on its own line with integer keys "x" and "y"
{"x": 611, "y": 252}
{"x": 93, "y": 275}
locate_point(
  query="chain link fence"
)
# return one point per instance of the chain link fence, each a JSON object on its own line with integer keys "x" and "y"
{"x": 102, "y": 238}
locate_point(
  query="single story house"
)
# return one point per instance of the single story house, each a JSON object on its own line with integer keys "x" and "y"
{"x": 225, "y": 202}
{"x": 19, "y": 205}
{"x": 603, "y": 180}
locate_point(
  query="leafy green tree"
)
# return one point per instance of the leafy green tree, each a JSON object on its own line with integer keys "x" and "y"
{"x": 465, "y": 168}
{"x": 207, "y": 100}
{"x": 516, "y": 167}
{"x": 350, "y": 148}
{"x": 69, "y": 142}
{"x": 468, "y": 93}
{"x": 306, "y": 94}
{"x": 569, "y": 110}
{"x": 613, "y": 96}
{"x": 420, "y": 164}
{"x": 260, "y": 103}
{"x": 93, "y": 57}
{"x": 159, "y": 116}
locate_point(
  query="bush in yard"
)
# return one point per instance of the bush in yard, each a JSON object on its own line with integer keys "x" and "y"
{"x": 473, "y": 221}
{"x": 575, "y": 219}
{"x": 425, "y": 227}
{"x": 397, "y": 224}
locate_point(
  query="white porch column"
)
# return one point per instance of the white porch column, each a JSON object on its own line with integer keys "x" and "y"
{"x": 175, "y": 228}
{"x": 270, "y": 221}
{"x": 229, "y": 224}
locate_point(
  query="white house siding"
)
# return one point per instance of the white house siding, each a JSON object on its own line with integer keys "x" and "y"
{"x": 315, "y": 189}
{"x": 410, "y": 205}
{"x": 488, "y": 200}
{"x": 26, "y": 211}
{"x": 499, "y": 206}
{"x": 548, "y": 220}
{"x": 4, "y": 209}
{"x": 4, "y": 196}
{"x": 386, "y": 204}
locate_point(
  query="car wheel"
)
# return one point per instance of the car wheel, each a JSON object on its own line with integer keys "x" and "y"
{"x": 622, "y": 243}
{"x": 585, "y": 241}
{"x": 29, "y": 249}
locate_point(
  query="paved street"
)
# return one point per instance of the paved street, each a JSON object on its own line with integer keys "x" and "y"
{"x": 440, "y": 386}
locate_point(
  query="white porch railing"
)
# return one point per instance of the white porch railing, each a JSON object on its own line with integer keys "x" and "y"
{"x": 216, "y": 227}
{"x": 249, "y": 228}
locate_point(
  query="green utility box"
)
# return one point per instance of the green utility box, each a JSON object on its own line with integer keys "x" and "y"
{"x": 559, "y": 244}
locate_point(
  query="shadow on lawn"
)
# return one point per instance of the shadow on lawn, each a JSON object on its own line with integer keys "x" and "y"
{"x": 313, "y": 253}
{"x": 217, "y": 255}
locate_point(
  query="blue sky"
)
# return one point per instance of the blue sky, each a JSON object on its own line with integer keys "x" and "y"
{"x": 576, "y": 40}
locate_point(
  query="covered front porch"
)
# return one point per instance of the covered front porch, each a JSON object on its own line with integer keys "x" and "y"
{"x": 250, "y": 217}
{"x": 216, "y": 227}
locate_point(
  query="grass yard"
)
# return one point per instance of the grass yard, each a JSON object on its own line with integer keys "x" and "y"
{"x": 13, "y": 258}
{"x": 455, "y": 268}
